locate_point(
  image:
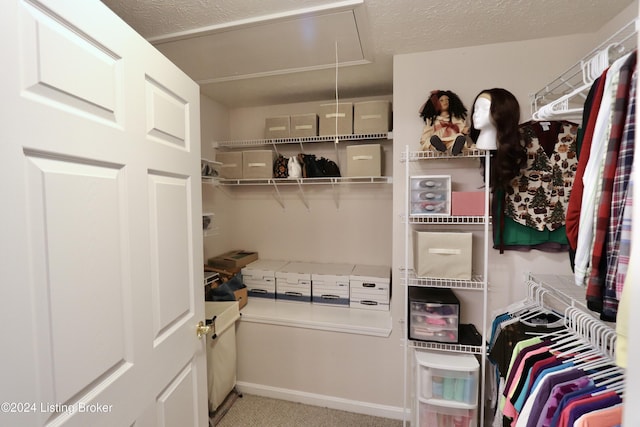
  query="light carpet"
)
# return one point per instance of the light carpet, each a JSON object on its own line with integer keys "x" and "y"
{"x": 257, "y": 411}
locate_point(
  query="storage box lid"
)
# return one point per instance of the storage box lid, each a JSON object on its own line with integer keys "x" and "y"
{"x": 449, "y": 361}
{"x": 331, "y": 269}
{"x": 379, "y": 273}
{"x": 429, "y": 294}
{"x": 263, "y": 267}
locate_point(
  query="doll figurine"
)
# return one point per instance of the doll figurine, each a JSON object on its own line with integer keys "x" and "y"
{"x": 444, "y": 118}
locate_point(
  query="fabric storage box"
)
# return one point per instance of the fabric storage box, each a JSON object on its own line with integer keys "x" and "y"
{"x": 364, "y": 160}
{"x": 277, "y": 127}
{"x": 370, "y": 287}
{"x": 258, "y": 164}
{"x": 230, "y": 164}
{"x": 293, "y": 282}
{"x": 233, "y": 259}
{"x": 304, "y": 125}
{"x": 329, "y": 118}
{"x": 450, "y": 377}
{"x": 260, "y": 277}
{"x": 221, "y": 350}
{"x": 432, "y": 415}
{"x": 430, "y": 195}
{"x": 467, "y": 203}
{"x": 443, "y": 255}
{"x": 434, "y": 314}
{"x": 371, "y": 117}
{"x": 330, "y": 284}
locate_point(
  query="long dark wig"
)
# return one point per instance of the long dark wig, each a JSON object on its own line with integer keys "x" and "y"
{"x": 510, "y": 156}
{"x": 432, "y": 108}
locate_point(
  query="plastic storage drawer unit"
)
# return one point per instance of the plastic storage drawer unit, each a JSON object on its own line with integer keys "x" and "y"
{"x": 447, "y": 378}
{"x": 434, "y": 314}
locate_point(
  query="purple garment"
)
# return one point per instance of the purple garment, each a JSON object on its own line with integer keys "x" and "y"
{"x": 557, "y": 393}
{"x": 593, "y": 405}
{"x": 545, "y": 387}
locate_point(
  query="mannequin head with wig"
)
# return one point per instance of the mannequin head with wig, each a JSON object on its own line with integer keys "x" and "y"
{"x": 503, "y": 121}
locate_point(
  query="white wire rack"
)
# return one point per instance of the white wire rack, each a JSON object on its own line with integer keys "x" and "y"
{"x": 564, "y": 96}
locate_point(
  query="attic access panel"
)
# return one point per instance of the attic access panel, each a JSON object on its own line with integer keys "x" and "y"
{"x": 264, "y": 48}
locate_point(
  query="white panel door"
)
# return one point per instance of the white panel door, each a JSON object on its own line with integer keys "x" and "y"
{"x": 101, "y": 239}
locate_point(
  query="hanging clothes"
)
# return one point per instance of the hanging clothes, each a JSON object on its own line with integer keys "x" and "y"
{"x": 531, "y": 212}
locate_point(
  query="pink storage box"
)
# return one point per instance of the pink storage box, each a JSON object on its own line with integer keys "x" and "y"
{"x": 467, "y": 203}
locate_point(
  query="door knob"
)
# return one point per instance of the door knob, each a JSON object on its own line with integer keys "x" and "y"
{"x": 202, "y": 329}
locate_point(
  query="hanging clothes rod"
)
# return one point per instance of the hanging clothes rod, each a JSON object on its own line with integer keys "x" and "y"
{"x": 564, "y": 97}
{"x": 554, "y": 293}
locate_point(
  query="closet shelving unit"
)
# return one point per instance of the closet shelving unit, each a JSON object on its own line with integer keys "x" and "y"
{"x": 301, "y": 182}
{"x": 479, "y": 280}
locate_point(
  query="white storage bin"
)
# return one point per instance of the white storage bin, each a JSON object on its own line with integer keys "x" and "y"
{"x": 444, "y": 416}
{"x": 293, "y": 282}
{"x": 221, "y": 350}
{"x": 370, "y": 287}
{"x": 260, "y": 277}
{"x": 447, "y": 377}
{"x": 330, "y": 284}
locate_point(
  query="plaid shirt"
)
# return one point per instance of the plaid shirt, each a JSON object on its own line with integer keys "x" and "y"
{"x": 619, "y": 240}
{"x": 595, "y": 282}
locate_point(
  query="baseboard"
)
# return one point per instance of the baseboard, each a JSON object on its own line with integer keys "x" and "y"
{"x": 367, "y": 408}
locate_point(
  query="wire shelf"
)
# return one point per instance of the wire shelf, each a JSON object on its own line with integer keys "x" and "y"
{"x": 447, "y": 220}
{"x": 576, "y": 80}
{"x": 306, "y": 181}
{"x": 424, "y": 155}
{"x": 457, "y": 348}
{"x": 475, "y": 283}
{"x": 302, "y": 140}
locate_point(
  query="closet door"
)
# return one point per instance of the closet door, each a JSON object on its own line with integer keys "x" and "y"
{"x": 101, "y": 262}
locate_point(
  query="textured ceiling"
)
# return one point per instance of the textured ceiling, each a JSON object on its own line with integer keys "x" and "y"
{"x": 394, "y": 27}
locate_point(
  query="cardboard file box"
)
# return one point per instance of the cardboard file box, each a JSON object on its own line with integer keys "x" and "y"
{"x": 370, "y": 287}
{"x": 293, "y": 282}
{"x": 430, "y": 195}
{"x": 330, "y": 118}
{"x": 277, "y": 127}
{"x": 467, "y": 203}
{"x": 230, "y": 164}
{"x": 258, "y": 164}
{"x": 442, "y": 255}
{"x": 259, "y": 277}
{"x": 434, "y": 314}
{"x": 232, "y": 259}
{"x": 304, "y": 125}
{"x": 330, "y": 284}
{"x": 371, "y": 117}
{"x": 364, "y": 160}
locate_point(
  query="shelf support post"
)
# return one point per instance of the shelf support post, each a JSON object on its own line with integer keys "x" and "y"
{"x": 277, "y": 194}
